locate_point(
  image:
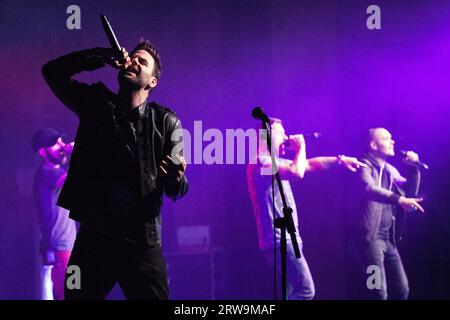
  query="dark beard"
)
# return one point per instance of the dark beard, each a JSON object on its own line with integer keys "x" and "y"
{"x": 56, "y": 160}
{"x": 130, "y": 84}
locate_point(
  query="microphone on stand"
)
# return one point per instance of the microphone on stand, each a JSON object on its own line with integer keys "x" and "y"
{"x": 259, "y": 114}
{"x": 417, "y": 163}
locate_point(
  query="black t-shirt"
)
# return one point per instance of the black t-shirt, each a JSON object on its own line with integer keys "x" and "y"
{"x": 384, "y": 230}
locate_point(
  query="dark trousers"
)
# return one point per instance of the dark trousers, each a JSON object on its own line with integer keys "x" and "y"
{"x": 140, "y": 270}
{"x": 385, "y": 257}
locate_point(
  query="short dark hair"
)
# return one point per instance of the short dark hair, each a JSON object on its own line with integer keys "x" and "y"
{"x": 272, "y": 122}
{"x": 148, "y": 46}
{"x": 275, "y": 120}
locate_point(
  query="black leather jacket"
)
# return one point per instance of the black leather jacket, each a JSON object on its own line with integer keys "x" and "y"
{"x": 87, "y": 191}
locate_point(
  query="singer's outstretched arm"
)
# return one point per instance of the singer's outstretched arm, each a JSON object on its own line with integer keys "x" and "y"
{"x": 59, "y": 74}
{"x": 321, "y": 163}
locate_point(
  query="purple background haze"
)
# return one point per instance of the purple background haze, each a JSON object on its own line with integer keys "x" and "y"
{"x": 312, "y": 63}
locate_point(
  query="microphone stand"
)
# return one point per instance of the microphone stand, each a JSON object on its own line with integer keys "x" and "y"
{"x": 284, "y": 223}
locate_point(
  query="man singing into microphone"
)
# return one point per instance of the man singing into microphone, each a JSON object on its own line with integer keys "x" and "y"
{"x": 122, "y": 163}
{"x": 376, "y": 223}
{"x": 299, "y": 279}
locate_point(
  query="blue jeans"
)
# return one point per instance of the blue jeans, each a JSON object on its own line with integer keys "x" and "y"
{"x": 300, "y": 285}
{"x": 393, "y": 279}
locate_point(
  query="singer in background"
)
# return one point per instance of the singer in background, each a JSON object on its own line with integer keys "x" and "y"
{"x": 122, "y": 164}
{"x": 384, "y": 194}
{"x": 57, "y": 230}
{"x": 299, "y": 279}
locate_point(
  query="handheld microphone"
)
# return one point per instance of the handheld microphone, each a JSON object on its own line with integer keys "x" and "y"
{"x": 259, "y": 114}
{"x": 313, "y": 135}
{"x": 112, "y": 38}
{"x": 417, "y": 163}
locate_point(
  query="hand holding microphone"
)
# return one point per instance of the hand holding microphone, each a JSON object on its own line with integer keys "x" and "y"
{"x": 412, "y": 158}
{"x": 295, "y": 141}
{"x": 110, "y": 58}
{"x": 293, "y": 145}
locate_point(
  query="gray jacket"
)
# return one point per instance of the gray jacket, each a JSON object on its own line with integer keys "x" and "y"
{"x": 373, "y": 199}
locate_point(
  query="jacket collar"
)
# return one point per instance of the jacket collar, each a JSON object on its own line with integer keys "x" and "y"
{"x": 374, "y": 161}
{"x": 113, "y": 100}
